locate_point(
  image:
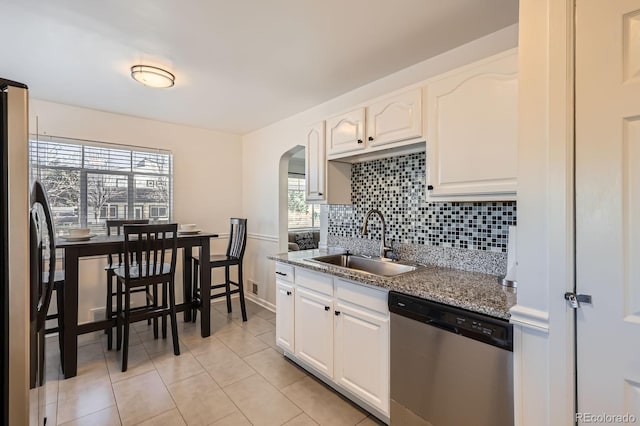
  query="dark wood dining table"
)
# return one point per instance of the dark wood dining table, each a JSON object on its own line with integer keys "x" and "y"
{"x": 104, "y": 245}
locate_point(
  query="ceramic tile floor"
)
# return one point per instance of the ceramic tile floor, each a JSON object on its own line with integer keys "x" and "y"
{"x": 237, "y": 376}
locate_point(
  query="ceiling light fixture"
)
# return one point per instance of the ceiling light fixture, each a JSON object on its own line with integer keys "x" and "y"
{"x": 152, "y": 76}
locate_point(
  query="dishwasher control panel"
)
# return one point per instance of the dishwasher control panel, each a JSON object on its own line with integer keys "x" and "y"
{"x": 490, "y": 330}
{"x": 484, "y": 326}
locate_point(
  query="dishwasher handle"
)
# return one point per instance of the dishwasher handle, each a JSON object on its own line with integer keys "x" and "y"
{"x": 418, "y": 313}
{"x": 479, "y": 327}
{"x": 445, "y": 326}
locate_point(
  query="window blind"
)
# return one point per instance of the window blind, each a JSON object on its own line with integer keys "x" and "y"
{"x": 90, "y": 182}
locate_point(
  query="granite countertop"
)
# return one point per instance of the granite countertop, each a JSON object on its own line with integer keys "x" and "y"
{"x": 473, "y": 291}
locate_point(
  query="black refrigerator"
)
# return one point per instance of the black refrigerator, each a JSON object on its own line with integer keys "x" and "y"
{"x": 19, "y": 404}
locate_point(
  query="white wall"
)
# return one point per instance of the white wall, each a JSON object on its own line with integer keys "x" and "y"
{"x": 263, "y": 148}
{"x": 207, "y": 173}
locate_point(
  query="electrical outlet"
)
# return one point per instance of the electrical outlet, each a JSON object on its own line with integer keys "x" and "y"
{"x": 254, "y": 288}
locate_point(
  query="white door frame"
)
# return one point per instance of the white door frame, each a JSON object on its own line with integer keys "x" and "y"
{"x": 544, "y": 349}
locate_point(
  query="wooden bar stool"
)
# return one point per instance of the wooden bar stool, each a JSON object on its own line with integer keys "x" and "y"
{"x": 114, "y": 227}
{"x": 233, "y": 257}
{"x": 147, "y": 249}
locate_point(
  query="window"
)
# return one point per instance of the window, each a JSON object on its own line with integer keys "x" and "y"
{"x": 90, "y": 182}
{"x": 157, "y": 212}
{"x": 109, "y": 212}
{"x": 301, "y": 214}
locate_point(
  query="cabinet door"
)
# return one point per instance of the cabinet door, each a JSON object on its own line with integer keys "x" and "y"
{"x": 345, "y": 132}
{"x": 285, "y": 316}
{"x": 316, "y": 162}
{"x": 473, "y": 129}
{"x": 395, "y": 119}
{"x": 362, "y": 354}
{"x": 314, "y": 330}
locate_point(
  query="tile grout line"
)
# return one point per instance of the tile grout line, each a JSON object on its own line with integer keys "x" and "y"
{"x": 187, "y": 378}
{"x": 185, "y": 349}
{"x": 222, "y": 388}
{"x": 106, "y": 362}
{"x": 218, "y": 384}
{"x": 258, "y": 373}
{"x": 155, "y": 368}
{"x": 302, "y": 411}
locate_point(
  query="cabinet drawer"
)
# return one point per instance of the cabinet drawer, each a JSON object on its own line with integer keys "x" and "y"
{"x": 316, "y": 281}
{"x": 361, "y": 295}
{"x": 285, "y": 272}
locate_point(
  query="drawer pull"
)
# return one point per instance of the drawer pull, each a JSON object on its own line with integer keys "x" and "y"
{"x": 288, "y": 293}
{"x": 281, "y": 273}
{"x": 326, "y": 308}
{"x": 337, "y": 313}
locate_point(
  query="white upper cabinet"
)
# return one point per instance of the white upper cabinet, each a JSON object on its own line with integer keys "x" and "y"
{"x": 395, "y": 119}
{"x": 345, "y": 132}
{"x": 326, "y": 181}
{"x": 315, "y": 163}
{"x": 392, "y": 123}
{"x": 472, "y": 122}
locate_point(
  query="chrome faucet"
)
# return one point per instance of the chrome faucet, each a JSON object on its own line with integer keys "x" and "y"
{"x": 384, "y": 249}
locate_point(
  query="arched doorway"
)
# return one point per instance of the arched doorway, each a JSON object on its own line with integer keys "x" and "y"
{"x": 294, "y": 213}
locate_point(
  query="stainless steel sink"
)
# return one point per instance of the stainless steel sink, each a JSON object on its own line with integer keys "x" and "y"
{"x": 376, "y": 266}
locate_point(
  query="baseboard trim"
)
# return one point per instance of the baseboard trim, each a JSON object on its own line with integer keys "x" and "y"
{"x": 258, "y": 301}
{"x": 530, "y": 318}
{"x": 346, "y": 393}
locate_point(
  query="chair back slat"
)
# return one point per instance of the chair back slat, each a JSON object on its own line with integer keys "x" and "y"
{"x": 146, "y": 249}
{"x": 237, "y": 238}
{"x": 114, "y": 227}
{"x": 42, "y": 248}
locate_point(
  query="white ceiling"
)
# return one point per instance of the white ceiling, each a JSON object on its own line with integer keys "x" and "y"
{"x": 239, "y": 64}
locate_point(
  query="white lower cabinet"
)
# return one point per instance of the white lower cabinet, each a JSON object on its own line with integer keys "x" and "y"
{"x": 314, "y": 329}
{"x": 362, "y": 353}
{"x": 284, "y": 315}
{"x": 285, "y": 305}
{"x": 341, "y": 331}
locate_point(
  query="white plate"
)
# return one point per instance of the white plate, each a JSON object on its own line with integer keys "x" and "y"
{"x": 74, "y": 239}
{"x": 191, "y": 232}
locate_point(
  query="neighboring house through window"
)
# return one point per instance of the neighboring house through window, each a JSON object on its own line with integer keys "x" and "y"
{"x": 90, "y": 182}
{"x": 109, "y": 212}
{"x": 301, "y": 215}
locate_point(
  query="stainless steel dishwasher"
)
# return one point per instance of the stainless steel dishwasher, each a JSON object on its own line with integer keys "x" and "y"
{"x": 449, "y": 366}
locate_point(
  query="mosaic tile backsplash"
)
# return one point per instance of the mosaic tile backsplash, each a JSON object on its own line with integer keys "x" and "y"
{"x": 396, "y": 187}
